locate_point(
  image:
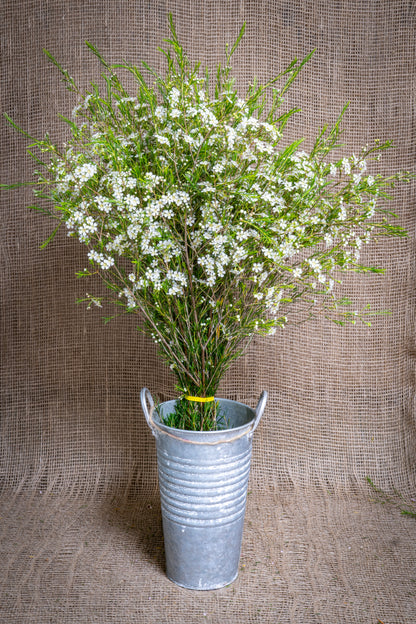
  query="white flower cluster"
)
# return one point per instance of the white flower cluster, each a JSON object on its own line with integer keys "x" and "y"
{"x": 82, "y": 223}
{"x": 168, "y": 195}
{"x": 84, "y": 172}
{"x": 120, "y": 182}
{"x": 105, "y": 262}
{"x": 178, "y": 281}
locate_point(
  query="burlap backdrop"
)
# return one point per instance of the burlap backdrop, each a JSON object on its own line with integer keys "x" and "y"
{"x": 341, "y": 405}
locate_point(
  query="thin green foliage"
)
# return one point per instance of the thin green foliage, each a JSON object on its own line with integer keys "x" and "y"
{"x": 385, "y": 498}
{"x": 195, "y": 417}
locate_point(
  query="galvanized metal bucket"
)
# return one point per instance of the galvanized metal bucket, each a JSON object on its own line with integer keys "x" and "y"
{"x": 203, "y": 479}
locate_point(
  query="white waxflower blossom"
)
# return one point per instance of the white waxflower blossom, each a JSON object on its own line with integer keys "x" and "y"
{"x": 188, "y": 139}
{"x": 242, "y": 126}
{"x": 287, "y": 249}
{"x": 239, "y": 254}
{"x": 302, "y": 184}
{"x": 122, "y": 180}
{"x": 248, "y": 155}
{"x": 176, "y": 276}
{"x": 370, "y": 180}
{"x": 174, "y": 96}
{"x": 180, "y": 198}
{"x": 262, "y": 147}
{"x": 231, "y": 137}
{"x": 297, "y": 272}
{"x": 85, "y": 172}
{"x": 152, "y": 180}
{"x": 154, "y": 208}
{"x": 241, "y": 235}
{"x": 133, "y": 231}
{"x": 87, "y": 227}
{"x": 207, "y": 116}
{"x": 218, "y": 168}
{"x": 78, "y": 216}
{"x": 131, "y": 201}
{"x": 314, "y": 264}
{"x": 175, "y": 289}
{"x": 160, "y": 113}
{"x": 252, "y": 122}
{"x": 276, "y": 202}
{"x": 333, "y": 169}
{"x": 167, "y": 214}
{"x": 207, "y": 187}
{"x": 105, "y": 262}
{"x": 268, "y": 127}
{"x": 178, "y": 282}
{"x": 346, "y": 166}
{"x": 328, "y": 239}
{"x": 162, "y": 139}
{"x": 76, "y": 109}
{"x": 131, "y": 302}
{"x": 86, "y": 100}
{"x": 342, "y": 212}
{"x": 154, "y": 277}
{"x": 118, "y": 244}
{"x": 271, "y": 254}
{"x": 93, "y": 301}
{"x": 64, "y": 184}
{"x": 103, "y": 204}
{"x": 191, "y": 111}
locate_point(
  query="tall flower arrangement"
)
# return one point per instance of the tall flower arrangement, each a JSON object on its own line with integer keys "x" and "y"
{"x": 202, "y": 219}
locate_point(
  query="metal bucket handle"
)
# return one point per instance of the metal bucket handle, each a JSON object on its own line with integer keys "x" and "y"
{"x": 259, "y": 410}
{"x": 145, "y": 395}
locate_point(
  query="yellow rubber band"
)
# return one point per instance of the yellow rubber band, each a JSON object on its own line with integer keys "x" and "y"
{"x": 200, "y": 399}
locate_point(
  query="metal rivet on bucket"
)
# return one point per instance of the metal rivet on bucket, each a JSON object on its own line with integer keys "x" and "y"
{"x": 203, "y": 479}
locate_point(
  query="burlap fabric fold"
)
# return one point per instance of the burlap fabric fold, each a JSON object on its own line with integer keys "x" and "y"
{"x": 80, "y": 525}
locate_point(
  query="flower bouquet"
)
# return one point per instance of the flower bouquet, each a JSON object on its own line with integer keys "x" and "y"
{"x": 202, "y": 220}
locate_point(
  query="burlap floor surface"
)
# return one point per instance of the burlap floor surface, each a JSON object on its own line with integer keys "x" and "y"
{"x": 80, "y": 527}
{"x": 307, "y": 558}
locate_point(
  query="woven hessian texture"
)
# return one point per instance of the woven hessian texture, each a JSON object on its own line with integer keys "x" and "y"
{"x": 80, "y": 531}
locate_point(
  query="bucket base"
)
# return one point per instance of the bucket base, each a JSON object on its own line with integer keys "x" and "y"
{"x": 212, "y": 587}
